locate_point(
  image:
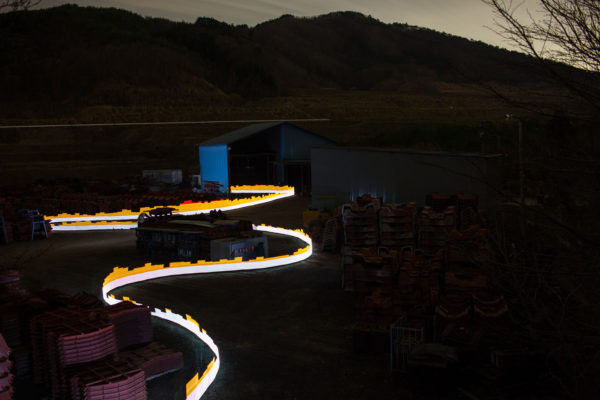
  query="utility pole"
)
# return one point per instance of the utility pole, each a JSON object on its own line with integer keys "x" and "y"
{"x": 511, "y": 117}
{"x": 521, "y": 167}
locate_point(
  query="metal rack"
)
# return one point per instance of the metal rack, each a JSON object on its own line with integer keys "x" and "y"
{"x": 403, "y": 339}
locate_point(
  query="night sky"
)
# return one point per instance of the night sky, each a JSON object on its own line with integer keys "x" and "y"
{"x": 467, "y": 18}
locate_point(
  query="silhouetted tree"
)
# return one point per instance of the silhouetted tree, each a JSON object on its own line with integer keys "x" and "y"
{"x": 15, "y": 5}
{"x": 563, "y": 31}
{"x": 551, "y": 266}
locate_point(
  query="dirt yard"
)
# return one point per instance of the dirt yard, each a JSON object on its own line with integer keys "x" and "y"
{"x": 284, "y": 333}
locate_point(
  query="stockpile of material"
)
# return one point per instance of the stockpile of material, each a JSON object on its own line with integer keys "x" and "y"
{"x": 67, "y": 337}
{"x": 106, "y": 379}
{"x": 435, "y": 291}
{"x": 6, "y": 373}
{"x": 434, "y": 228}
{"x": 132, "y": 323}
{"x": 154, "y": 359}
{"x": 397, "y": 225}
{"x": 359, "y": 219}
{"x": 17, "y": 307}
{"x": 418, "y": 281}
{"x": 365, "y": 270}
{"x": 58, "y": 337}
{"x": 469, "y": 245}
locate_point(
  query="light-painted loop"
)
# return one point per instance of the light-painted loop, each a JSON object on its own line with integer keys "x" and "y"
{"x": 120, "y": 277}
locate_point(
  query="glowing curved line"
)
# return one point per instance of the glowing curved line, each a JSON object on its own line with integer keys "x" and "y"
{"x": 268, "y": 193}
{"x": 121, "y": 277}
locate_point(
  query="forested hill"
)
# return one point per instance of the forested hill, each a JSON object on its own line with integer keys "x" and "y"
{"x": 70, "y": 55}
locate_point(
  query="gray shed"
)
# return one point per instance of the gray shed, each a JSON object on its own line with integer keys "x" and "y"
{"x": 267, "y": 153}
{"x": 340, "y": 174}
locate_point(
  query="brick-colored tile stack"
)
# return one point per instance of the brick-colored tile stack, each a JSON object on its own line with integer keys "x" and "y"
{"x": 439, "y": 283}
{"x": 132, "y": 323}
{"x": 6, "y": 373}
{"x": 397, "y": 225}
{"x": 106, "y": 379}
{"x": 360, "y": 222}
{"x": 154, "y": 359}
{"x": 66, "y": 337}
{"x": 434, "y": 228}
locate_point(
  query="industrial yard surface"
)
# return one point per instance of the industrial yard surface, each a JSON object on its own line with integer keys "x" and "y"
{"x": 284, "y": 333}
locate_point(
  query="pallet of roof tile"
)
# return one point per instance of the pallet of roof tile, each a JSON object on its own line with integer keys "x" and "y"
{"x": 470, "y": 281}
{"x": 107, "y": 379}
{"x": 408, "y": 295}
{"x": 487, "y": 306}
{"x": 397, "y": 236}
{"x": 46, "y": 329}
{"x": 10, "y": 326}
{"x": 21, "y": 356}
{"x": 5, "y": 363}
{"x": 7, "y": 394}
{"x": 398, "y": 211}
{"x": 454, "y": 308}
{"x": 132, "y": 323}
{"x": 360, "y": 229}
{"x": 354, "y": 211}
{"x": 439, "y": 202}
{"x": 366, "y": 200}
{"x": 155, "y": 359}
{"x": 348, "y": 276}
{"x": 429, "y": 217}
{"x": 361, "y": 243}
{"x": 464, "y": 201}
{"x": 83, "y": 300}
{"x": 86, "y": 347}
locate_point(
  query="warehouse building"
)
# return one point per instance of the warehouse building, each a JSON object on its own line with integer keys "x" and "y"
{"x": 267, "y": 153}
{"x": 341, "y": 174}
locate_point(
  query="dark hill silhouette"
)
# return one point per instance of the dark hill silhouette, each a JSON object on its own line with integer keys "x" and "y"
{"x": 69, "y": 57}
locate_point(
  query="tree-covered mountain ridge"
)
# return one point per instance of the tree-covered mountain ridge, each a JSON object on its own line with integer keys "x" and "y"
{"x": 71, "y": 56}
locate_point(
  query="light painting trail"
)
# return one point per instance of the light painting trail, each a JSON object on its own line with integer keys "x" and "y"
{"x": 121, "y": 277}
{"x": 265, "y": 194}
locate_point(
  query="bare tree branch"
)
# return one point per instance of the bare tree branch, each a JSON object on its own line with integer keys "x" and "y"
{"x": 15, "y": 5}
{"x": 565, "y": 31}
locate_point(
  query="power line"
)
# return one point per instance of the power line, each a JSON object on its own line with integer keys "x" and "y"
{"x": 159, "y": 123}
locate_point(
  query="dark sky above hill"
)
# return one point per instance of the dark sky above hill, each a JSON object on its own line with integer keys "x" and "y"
{"x": 467, "y": 18}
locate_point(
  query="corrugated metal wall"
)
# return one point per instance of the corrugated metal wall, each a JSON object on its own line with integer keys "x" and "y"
{"x": 340, "y": 175}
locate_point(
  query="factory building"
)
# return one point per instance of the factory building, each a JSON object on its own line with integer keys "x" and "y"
{"x": 267, "y": 153}
{"x": 342, "y": 174}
